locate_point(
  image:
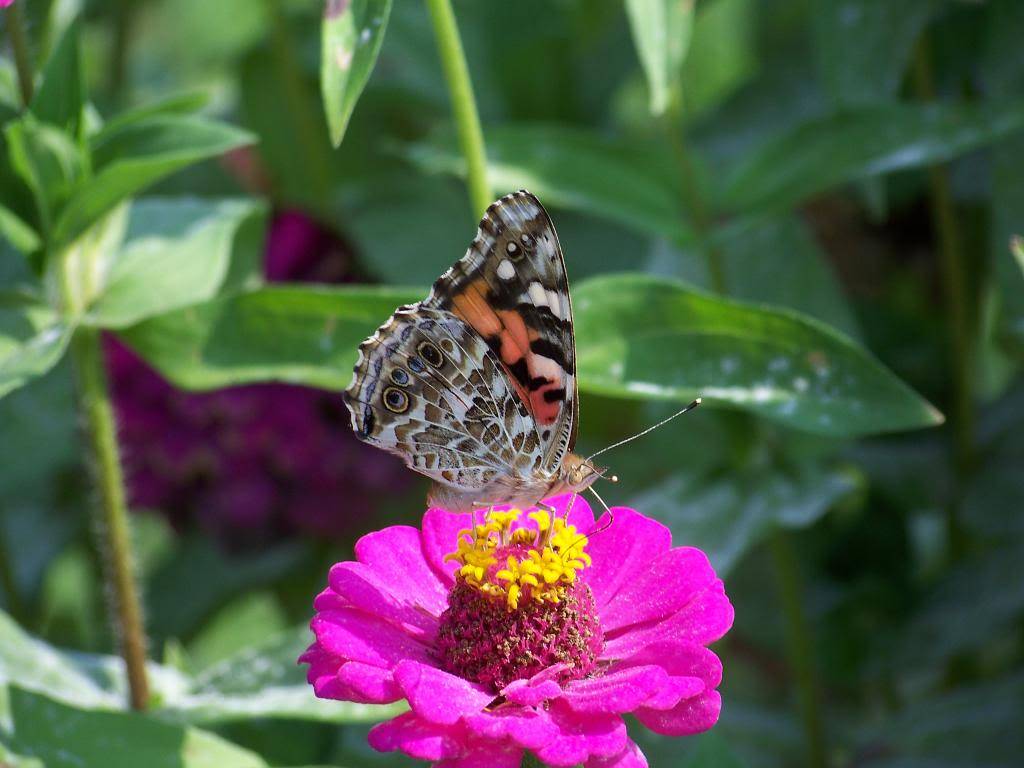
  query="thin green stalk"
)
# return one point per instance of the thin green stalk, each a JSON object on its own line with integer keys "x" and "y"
{"x": 460, "y": 91}
{"x": 693, "y": 200}
{"x": 959, "y": 324}
{"x": 19, "y": 45}
{"x": 112, "y": 517}
{"x": 799, "y": 646}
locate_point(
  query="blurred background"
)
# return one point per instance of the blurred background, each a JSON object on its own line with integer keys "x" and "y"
{"x": 857, "y": 161}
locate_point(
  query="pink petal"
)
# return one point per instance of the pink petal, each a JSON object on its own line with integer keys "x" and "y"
{"x": 486, "y": 756}
{"x": 329, "y": 600}
{"x": 440, "y": 537}
{"x": 683, "y": 660}
{"x": 623, "y": 552}
{"x": 703, "y": 620}
{"x": 396, "y": 555}
{"x": 362, "y": 588}
{"x": 581, "y": 737}
{"x": 581, "y": 515}
{"x": 527, "y": 727}
{"x": 666, "y": 585}
{"x": 416, "y": 738}
{"x": 630, "y": 757}
{"x": 438, "y": 696}
{"x": 528, "y": 693}
{"x": 358, "y": 636}
{"x": 620, "y": 691}
{"x": 690, "y": 716}
{"x": 674, "y": 691}
{"x": 368, "y": 684}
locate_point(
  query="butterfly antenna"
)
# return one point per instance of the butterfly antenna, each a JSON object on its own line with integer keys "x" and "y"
{"x": 661, "y": 423}
{"x": 611, "y": 515}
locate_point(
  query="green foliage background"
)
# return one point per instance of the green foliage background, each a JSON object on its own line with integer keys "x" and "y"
{"x": 801, "y": 211}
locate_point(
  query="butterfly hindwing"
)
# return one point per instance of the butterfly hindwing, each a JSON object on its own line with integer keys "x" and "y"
{"x": 428, "y": 388}
{"x": 511, "y": 288}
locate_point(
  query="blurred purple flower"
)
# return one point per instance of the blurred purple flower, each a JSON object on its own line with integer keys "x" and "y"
{"x": 252, "y": 463}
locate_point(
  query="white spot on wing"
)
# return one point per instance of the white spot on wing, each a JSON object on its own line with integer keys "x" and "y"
{"x": 505, "y": 270}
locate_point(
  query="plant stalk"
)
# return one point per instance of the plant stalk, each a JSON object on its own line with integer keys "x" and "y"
{"x": 692, "y": 199}
{"x": 799, "y": 646}
{"x": 464, "y": 112}
{"x": 112, "y": 511}
{"x": 19, "y": 46}
{"x": 952, "y": 263}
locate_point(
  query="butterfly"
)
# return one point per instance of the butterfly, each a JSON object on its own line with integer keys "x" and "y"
{"x": 475, "y": 386}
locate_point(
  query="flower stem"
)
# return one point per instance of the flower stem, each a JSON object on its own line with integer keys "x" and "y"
{"x": 460, "y": 90}
{"x": 112, "y": 511}
{"x": 799, "y": 646}
{"x": 19, "y": 45}
{"x": 692, "y": 199}
{"x": 959, "y": 322}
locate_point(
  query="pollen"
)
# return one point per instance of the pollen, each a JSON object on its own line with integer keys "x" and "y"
{"x": 520, "y": 564}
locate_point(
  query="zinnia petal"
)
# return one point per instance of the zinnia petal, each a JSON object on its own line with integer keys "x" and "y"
{"x": 623, "y": 552}
{"x": 396, "y": 555}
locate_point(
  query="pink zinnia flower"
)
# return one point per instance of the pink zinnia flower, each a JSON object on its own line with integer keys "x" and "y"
{"x": 523, "y": 634}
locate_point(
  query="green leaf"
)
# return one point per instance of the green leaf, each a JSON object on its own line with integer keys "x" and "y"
{"x": 661, "y": 34}
{"x": 570, "y": 168}
{"x": 127, "y": 160}
{"x": 49, "y": 163}
{"x": 723, "y": 53}
{"x": 61, "y": 94}
{"x": 644, "y": 337}
{"x": 351, "y": 35}
{"x": 726, "y": 516}
{"x": 770, "y": 260}
{"x": 300, "y": 335}
{"x": 178, "y": 104}
{"x": 178, "y": 252}
{"x": 17, "y": 232}
{"x": 858, "y": 144}
{"x": 32, "y": 340}
{"x": 264, "y": 681}
{"x": 863, "y": 47}
{"x": 63, "y": 736}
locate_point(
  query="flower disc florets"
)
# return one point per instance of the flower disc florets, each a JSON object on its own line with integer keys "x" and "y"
{"x": 517, "y": 607}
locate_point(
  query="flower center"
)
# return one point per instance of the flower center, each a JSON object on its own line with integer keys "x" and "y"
{"x": 517, "y": 606}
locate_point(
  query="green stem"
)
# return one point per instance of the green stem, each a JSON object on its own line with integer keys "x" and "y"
{"x": 112, "y": 517}
{"x": 692, "y": 199}
{"x": 799, "y": 646}
{"x": 958, "y": 320}
{"x": 19, "y": 45}
{"x": 460, "y": 90}
{"x": 123, "y": 22}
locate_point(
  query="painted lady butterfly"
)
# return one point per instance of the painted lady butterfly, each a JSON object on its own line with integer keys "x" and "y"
{"x": 475, "y": 386}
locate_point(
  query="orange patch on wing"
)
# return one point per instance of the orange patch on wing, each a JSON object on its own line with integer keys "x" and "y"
{"x": 471, "y": 307}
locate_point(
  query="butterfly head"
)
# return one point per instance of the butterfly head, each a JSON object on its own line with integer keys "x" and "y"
{"x": 579, "y": 473}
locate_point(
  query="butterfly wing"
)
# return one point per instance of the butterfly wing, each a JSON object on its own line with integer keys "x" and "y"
{"x": 427, "y": 388}
{"x": 511, "y": 288}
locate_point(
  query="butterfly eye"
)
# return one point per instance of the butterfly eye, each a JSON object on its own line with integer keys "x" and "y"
{"x": 400, "y": 377}
{"x": 396, "y": 400}
{"x": 431, "y": 354}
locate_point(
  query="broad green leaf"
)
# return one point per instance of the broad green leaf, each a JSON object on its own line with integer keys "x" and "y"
{"x": 770, "y": 260}
{"x": 60, "y": 98}
{"x": 863, "y": 47}
{"x": 857, "y": 144}
{"x": 651, "y": 338}
{"x": 64, "y": 736}
{"x": 264, "y": 680}
{"x": 198, "y": 568}
{"x": 575, "y": 169}
{"x": 17, "y": 232}
{"x": 32, "y": 340}
{"x": 47, "y": 161}
{"x": 351, "y": 35}
{"x": 177, "y": 252}
{"x": 301, "y": 335}
{"x": 127, "y": 160}
{"x": 661, "y": 34}
{"x": 726, "y": 515}
{"x": 178, "y": 104}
